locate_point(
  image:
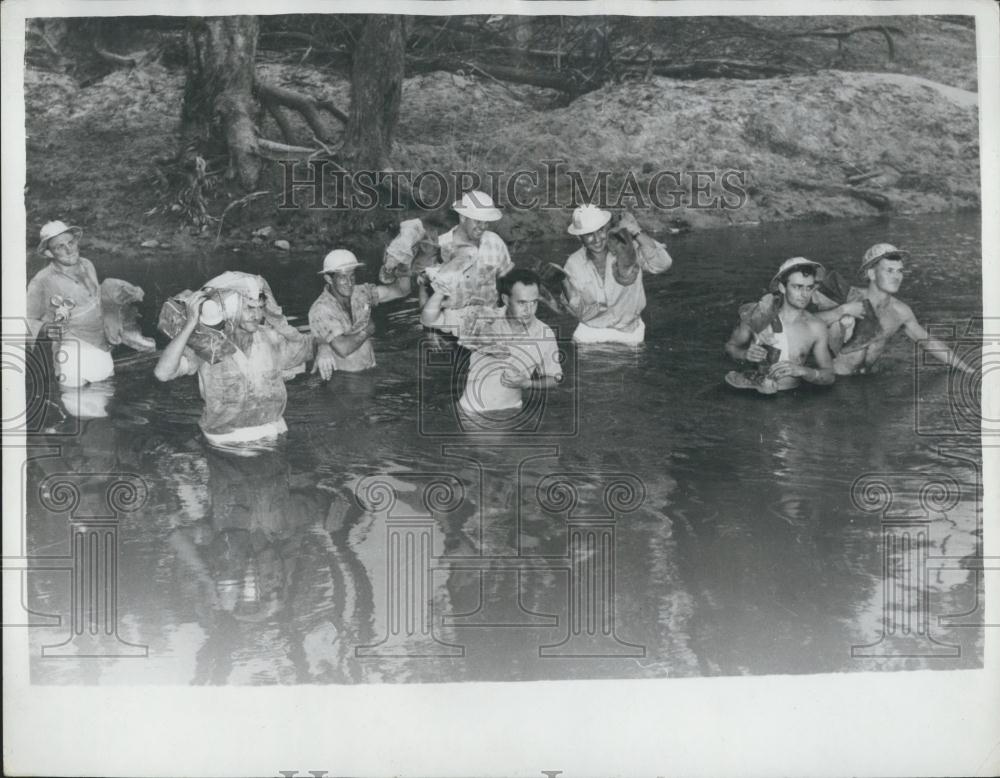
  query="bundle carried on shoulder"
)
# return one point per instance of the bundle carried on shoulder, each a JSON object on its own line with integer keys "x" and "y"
{"x": 855, "y": 333}
{"x": 209, "y": 342}
{"x": 763, "y": 320}
{"x": 412, "y": 250}
{"x": 225, "y": 294}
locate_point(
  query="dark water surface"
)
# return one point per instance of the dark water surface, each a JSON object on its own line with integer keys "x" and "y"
{"x": 654, "y": 524}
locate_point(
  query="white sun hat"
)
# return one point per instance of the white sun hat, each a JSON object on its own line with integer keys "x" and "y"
{"x": 339, "y": 261}
{"x": 588, "y": 219}
{"x": 479, "y": 206}
{"x": 51, "y": 230}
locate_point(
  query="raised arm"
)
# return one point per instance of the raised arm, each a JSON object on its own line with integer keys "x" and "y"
{"x": 432, "y": 314}
{"x": 397, "y": 289}
{"x": 832, "y": 315}
{"x": 169, "y": 365}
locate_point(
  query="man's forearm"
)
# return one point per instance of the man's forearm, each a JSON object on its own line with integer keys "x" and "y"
{"x": 942, "y": 353}
{"x": 166, "y": 369}
{"x": 431, "y": 313}
{"x": 737, "y": 352}
{"x": 345, "y": 345}
{"x": 823, "y": 376}
{"x": 830, "y": 315}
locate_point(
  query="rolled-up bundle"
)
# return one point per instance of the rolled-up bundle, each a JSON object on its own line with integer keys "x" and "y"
{"x": 234, "y": 286}
{"x": 120, "y": 315}
{"x": 402, "y": 250}
{"x": 866, "y": 329}
{"x": 758, "y": 317}
{"x": 452, "y": 278}
{"x": 850, "y": 333}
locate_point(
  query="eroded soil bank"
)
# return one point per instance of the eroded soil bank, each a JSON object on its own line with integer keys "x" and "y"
{"x": 830, "y": 144}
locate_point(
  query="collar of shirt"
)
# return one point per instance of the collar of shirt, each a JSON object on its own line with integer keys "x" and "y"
{"x": 452, "y": 241}
{"x": 85, "y": 277}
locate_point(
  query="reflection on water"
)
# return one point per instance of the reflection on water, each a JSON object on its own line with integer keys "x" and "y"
{"x": 654, "y": 524}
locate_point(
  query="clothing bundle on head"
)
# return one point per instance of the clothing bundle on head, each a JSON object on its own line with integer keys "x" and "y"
{"x": 227, "y": 294}
{"x": 241, "y": 379}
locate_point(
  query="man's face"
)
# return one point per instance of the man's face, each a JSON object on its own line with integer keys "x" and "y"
{"x": 887, "y": 274}
{"x": 522, "y": 302}
{"x": 473, "y": 228}
{"x": 798, "y": 289}
{"x": 596, "y": 241}
{"x": 65, "y": 249}
{"x": 341, "y": 283}
{"x": 252, "y": 314}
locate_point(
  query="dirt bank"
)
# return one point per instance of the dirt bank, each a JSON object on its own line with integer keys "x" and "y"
{"x": 832, "y": 144}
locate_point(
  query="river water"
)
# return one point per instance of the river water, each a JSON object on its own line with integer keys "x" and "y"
{"x": 645, "y": 520}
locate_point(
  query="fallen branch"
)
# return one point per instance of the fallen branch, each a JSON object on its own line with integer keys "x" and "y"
{"x": 723, "y": 68}
{"x": 842, "y": 35}
{"x": 273, "y": 150}
{"x": 563, "y": 81}
{"x": 857, "y": 179}
{"x": 245, "y": 200}
{"x": 116, "y": 59}
{"x": 875, "y": 199}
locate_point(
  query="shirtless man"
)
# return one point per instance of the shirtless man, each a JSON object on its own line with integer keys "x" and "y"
{"x": 787, "y": 336}
{"x": 882, "y": 267}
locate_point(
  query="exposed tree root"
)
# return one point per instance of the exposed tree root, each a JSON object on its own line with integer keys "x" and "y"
{"x": 274, "y": 98}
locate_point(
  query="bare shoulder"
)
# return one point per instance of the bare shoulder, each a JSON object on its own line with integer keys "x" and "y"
{"x": 901, "y": 310}
{"x": 815, "y": 324}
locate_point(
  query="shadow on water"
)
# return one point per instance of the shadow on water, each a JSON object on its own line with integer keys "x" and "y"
{"x": 654, "y": 523}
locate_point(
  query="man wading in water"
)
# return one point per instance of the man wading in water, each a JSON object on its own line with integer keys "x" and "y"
{"x": 244, "y": 388}
{"x": 473, "y": 259}
{"x": 65, "y": 302}
{"x": 778, "y": 334}
{"x": 882, "y": 267}
{"x": 511, "y": 350}
{"x": 603, "y": 279}
{"x": 341, "y": 315}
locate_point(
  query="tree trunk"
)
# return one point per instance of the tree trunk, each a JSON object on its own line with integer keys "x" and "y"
{"x": 219, "y": 107}
{"x": 376, "y": 91}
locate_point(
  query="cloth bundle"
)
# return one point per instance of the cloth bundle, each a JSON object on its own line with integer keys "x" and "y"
{"x": 854, "y": 333}
{"x": 208, "y": 343}
{"x": 228, "y": 290}
{"x": 412, "y": 250}
{"x": 121, "y": 317}
{"x": 763, "y": 320}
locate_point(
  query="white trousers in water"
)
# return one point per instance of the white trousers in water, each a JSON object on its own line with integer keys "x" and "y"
{"x": 587, "y": 334}
{"x": 78, "y": 363}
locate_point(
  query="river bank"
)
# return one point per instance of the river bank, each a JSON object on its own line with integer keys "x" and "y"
{"x": 834, "y": 143}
